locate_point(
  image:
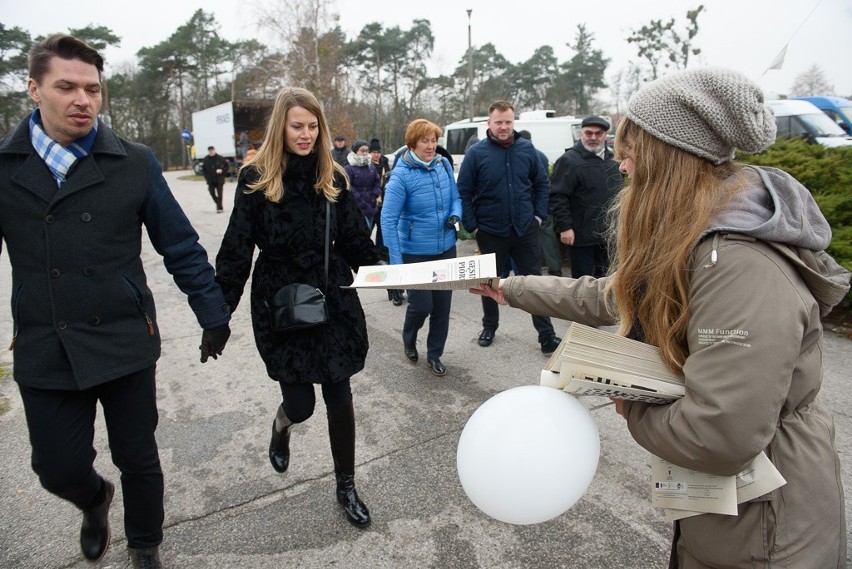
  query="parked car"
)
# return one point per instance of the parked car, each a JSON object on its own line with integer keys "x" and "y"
{"x": 838, "y": 109}
{"x": 795, "y": 118}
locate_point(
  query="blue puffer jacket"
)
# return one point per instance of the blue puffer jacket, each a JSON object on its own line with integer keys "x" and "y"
{"x": 503, "y": 189}
{"x": 418, "y": 202}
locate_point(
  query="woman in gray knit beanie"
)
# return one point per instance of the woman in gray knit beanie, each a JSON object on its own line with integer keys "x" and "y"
{"x": 722, "y": 267}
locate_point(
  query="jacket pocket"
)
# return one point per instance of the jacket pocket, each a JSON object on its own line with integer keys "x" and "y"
{"x": 16, "y": 302}
{"x": 137, "y": 297}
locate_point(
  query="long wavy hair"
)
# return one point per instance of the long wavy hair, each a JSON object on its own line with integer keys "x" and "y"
{"x": 271, "y": 160}
{"x": 656, "y": 223}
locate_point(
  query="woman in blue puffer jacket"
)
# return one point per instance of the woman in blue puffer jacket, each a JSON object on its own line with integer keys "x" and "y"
{"x": 420, "y": 214}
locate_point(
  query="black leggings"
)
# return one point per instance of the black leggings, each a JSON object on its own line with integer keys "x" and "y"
{"x": 300, "y": 398}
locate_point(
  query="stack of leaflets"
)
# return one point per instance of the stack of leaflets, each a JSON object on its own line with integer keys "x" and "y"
{"x": 596, "y": 362}
{"x": 590, "y": 361}
{"x": 444, "y": 274}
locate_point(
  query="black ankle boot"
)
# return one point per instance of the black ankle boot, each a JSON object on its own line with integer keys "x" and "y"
{"x": 94, "y": 533}
{"x": 145, "y": 558}
{"x": 279, "y": 446}
{"x": 356, "y": 511}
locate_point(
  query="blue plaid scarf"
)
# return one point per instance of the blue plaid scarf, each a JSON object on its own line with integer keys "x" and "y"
{"x": 57, "y": 157}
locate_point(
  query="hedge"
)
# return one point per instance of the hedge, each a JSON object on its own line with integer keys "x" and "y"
{"x": 827, "y": 173}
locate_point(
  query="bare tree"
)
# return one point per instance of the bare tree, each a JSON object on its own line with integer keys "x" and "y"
{"x": 811, "y": 83}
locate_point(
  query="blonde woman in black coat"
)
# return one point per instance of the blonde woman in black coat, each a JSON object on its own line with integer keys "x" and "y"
{"x": 280, "y": 208}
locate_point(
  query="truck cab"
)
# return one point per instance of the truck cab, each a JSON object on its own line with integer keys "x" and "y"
{"x": 838, "y": 109}
{"x": 796, "y": 118}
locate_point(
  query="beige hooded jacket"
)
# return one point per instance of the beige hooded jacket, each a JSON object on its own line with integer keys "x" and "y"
{"x": 760, "y": 284}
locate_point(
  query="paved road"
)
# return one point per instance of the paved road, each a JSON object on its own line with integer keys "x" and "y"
{"x": 226, "y": 507}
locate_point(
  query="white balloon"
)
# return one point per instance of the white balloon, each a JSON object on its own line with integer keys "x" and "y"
{"x": 528, "y": 454}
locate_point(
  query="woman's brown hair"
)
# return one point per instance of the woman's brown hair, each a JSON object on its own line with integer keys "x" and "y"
{"x": 659, "y": 217}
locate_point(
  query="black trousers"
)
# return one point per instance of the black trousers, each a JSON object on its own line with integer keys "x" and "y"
{"x": 299, "y": 399}
{"x": 62, "y": 430}
{"x": 589, "y": 260}
{"x": 525, "y": 251}
{"x": 432, "y": 304}
{"x": 217, "y": 190}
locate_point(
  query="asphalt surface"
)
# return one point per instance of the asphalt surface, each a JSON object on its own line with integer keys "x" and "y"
{"x": 226, "y": 507}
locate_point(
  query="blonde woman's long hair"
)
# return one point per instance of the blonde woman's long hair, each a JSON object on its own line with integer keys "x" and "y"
{"x": 658, "y": 219}
{"x": 271, "y": 160}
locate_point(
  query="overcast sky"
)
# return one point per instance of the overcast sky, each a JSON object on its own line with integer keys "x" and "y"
{"x": 744, "y": 34}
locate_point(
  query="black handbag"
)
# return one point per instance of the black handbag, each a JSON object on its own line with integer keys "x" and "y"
{"x": 298, "y": 306}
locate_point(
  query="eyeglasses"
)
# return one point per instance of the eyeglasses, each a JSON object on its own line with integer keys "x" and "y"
{"x": 594, "y": 133}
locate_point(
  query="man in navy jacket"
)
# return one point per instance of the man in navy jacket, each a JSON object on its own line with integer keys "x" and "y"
{"x": 73, "y": 199}
{"x": 505, "y": 191}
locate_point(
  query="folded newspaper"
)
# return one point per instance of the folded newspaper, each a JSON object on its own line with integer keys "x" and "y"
{"x": 446, "y": 274}
{"x": 590, "y": 361}
{"x": 596, "y": 362}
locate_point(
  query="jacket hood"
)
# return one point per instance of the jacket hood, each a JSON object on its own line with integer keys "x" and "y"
{"x": 774, "y": 207}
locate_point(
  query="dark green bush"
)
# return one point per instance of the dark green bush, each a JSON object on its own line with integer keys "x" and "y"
{"x": 827, "y": 173}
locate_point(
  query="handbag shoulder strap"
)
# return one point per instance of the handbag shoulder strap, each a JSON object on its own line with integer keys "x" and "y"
{"x": 327, "y": 239}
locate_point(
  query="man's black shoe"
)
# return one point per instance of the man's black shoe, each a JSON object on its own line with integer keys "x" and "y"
{"x": 437, "y": 367}
{"x": 549, "y": 346}
{"x": 411, "y": 354}
{"x": 486, "y": 337}
{"x": 94, "y": 533}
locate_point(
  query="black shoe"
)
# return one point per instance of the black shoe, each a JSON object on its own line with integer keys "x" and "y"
{"x": 145, "y": 558}
{"x": 94, "y": 533}
{"x": 396, "y": 297}
{"x": 411, "y": 354}
{"x": 486, "y": 337}
{"x": 356, "y": 511}
{"x": 279, "y": 446}
{"x": 549, "y": 346}
{"x": 437, "y": 367}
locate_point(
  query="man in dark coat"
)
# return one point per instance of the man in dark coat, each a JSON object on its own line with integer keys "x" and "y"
{"x": 73, "y": 198}
{"x": 504, "y": 191}
{"x": 340, "y": 151}
{"x": 584, "y": 182}
{"x": 215, "y": 170}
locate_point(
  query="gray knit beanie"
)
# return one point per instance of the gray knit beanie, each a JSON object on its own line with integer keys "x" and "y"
{"x": 707, "y": 112}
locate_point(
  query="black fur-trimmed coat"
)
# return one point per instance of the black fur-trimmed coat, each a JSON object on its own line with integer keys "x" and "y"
{"x": 290, "y": 236}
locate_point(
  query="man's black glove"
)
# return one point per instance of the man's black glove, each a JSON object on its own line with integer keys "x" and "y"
{"x": 213, "y": 342}
{"x": 453, "y": 222}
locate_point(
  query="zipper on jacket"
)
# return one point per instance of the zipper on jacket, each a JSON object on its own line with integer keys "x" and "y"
{"x": 410, "y": 229}
{"x": 138, "y": 296}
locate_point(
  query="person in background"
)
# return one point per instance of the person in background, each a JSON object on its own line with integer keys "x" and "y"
{"x": 74, "y": 197}
{"x": 215, "y": 170}
{"x": 706, "y": 252}
{"x": 340, "y": 153}
{"x": 250, "y": 154}
{"x": 364, "y": 181}
{"x": 504, "y": 192}
{"x": 419, "y": 218}
{"x": 243, "y": 144}
{"x": 550, "y": 250}
{"x": 382, "y": 166}
{"x": 584, "y": 183}
{"x": 280, "y": 208}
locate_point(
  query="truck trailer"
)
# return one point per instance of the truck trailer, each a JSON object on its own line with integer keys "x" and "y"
{"x": 220, "y": 126}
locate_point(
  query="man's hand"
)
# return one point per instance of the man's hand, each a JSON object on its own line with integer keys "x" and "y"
{"x": 213, "y": 342}
{"x": 453, "y": 222}
{"x": 567, "y": 236}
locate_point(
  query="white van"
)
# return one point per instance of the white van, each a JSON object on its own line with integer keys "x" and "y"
{"x": 796, "y": 118}
{"x": 551, "y": 134}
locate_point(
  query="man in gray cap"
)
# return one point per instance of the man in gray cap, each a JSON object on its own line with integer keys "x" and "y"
{"x": 584, "y": 182}
{"x": 339, "y": 153}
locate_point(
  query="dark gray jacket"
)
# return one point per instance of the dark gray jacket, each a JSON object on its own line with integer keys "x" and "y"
{"x": 82, "y": 310}
{"x": 582, "y": 187}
